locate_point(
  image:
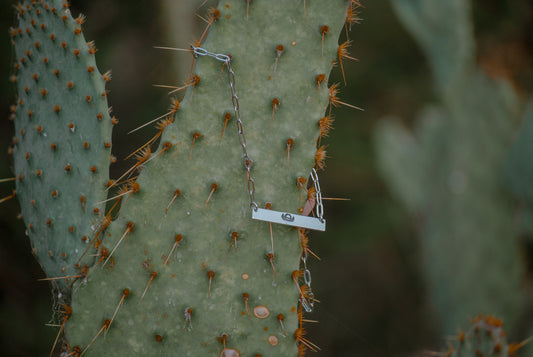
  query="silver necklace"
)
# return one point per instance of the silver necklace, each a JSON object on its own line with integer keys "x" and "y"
{"x": 296, "y": 220}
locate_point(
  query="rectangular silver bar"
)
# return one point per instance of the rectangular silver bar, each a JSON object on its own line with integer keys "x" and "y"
{"x": 289, "y": 219}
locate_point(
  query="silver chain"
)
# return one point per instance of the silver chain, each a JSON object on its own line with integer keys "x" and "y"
{"x": 319, "y": 206}
{"x": 247, "y": 160}
{"x": 310, "y": 302}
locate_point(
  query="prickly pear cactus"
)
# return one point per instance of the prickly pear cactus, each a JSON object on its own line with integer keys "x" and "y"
{"x": 62, "y": 145}
{"x": 449, "y": 172}
{"x": 484, "y": 337}
{"x": 184, "y": 270}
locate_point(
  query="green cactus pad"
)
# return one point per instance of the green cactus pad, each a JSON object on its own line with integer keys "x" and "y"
{"x": 63, "y": 131}
{"x": 220, "y": 268}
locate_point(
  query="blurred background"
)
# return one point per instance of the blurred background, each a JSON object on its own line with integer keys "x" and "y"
{"x": 438, "y": 169}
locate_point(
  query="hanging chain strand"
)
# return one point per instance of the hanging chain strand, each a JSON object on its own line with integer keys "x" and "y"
{"x": 247, "y": 161}
{"x": 308, "y": 303}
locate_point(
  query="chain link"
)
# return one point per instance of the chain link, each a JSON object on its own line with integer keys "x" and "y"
{"x": 247, "y": 160}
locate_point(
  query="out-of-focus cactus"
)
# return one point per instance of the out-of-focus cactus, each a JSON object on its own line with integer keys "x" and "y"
{"x": 183, "y": 270}
{"x": 448, "y": 172}
{"x": 485, "y": 337}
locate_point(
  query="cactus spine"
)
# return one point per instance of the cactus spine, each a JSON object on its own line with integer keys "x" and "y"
{"x": 183, "y": 270}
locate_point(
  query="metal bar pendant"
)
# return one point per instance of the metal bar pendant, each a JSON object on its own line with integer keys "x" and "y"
{"x": 289, "y": 219}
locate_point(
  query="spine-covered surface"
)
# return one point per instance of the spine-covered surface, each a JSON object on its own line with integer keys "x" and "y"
{"x": 62, "y": 143}
{"x": 203, "y": 278}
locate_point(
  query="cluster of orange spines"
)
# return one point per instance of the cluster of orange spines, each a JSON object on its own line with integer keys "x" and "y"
{"x": 352, "y": 15}
{"x": 214, "y": 14}
{"x": 325, "y": 125}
